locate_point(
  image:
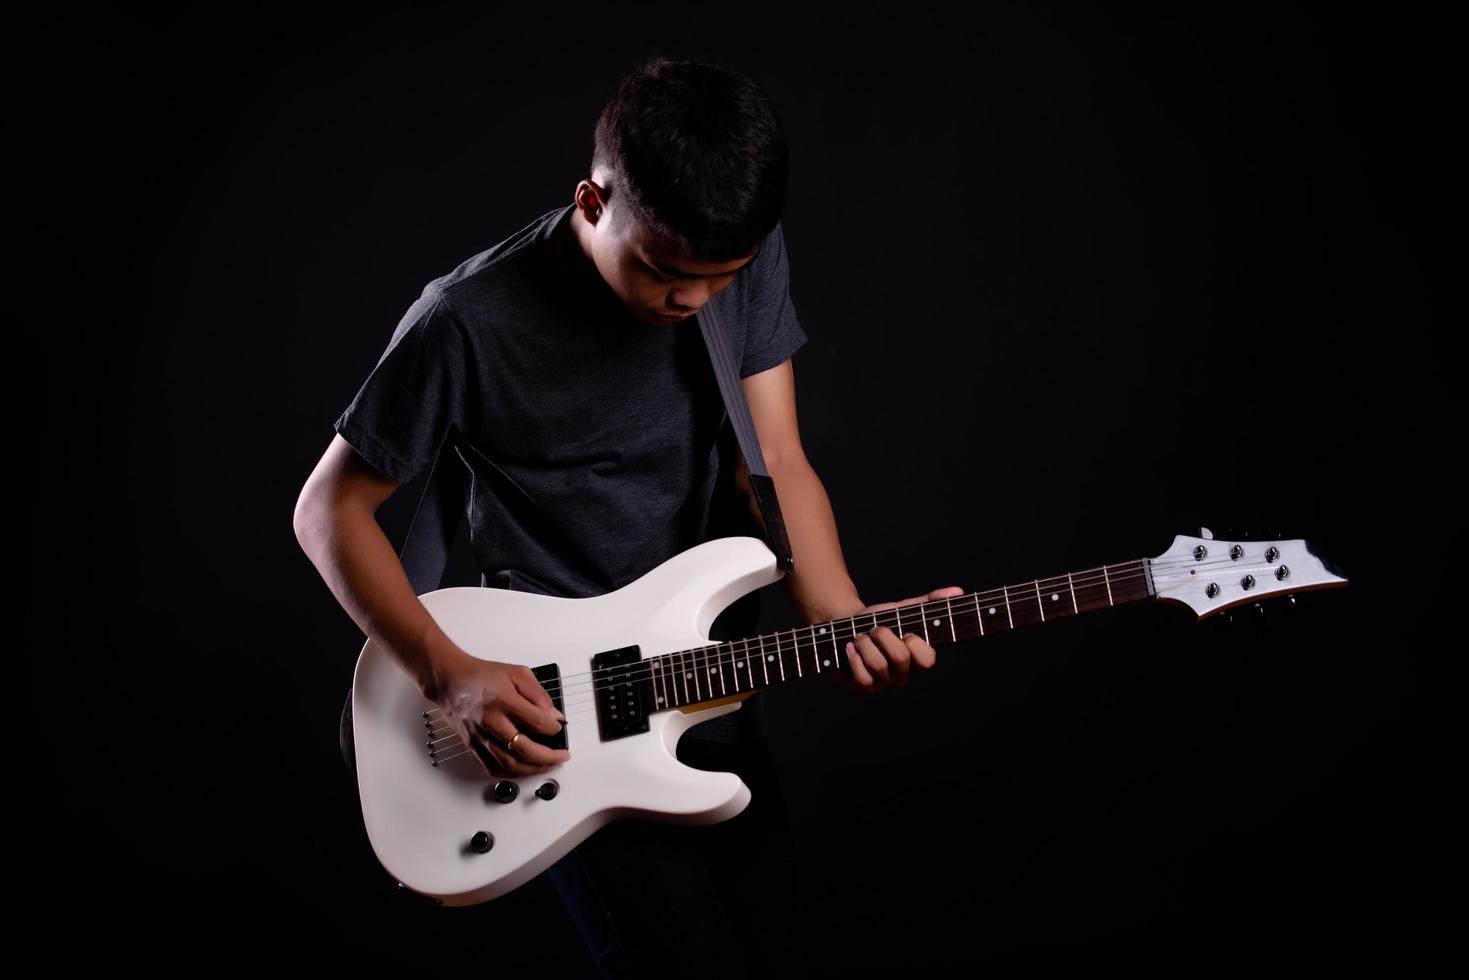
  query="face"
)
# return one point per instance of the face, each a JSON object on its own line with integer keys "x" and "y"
{"x": 659, "y": 284}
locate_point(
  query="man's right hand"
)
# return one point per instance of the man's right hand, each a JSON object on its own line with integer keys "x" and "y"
{"x": 487, "y": 702}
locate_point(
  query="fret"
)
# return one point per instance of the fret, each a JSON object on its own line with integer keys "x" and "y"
{"x": 833, "y": 663}
{"x": 660, "y": 696}
{"x": 1093, "y": 590}
{"x": 691, "y": 676}
{"x": 836, "y": 650}
{"x": 953, "y": 636}
{"x": 1108, "y": 580}
{"x": 815, "y": 653}
{"x": 1040, "y": 603}
{"x": 702, "y": 687}
{"x": 780, "y": 657}
{"x": 725, "y": 658}
{"x": 723, "y": 662}
{"x": 1072, "y": 586}
{"x": 1051, "y": 596}
{"x": 716, "y": 667}
{"x": 1131, "y": 582}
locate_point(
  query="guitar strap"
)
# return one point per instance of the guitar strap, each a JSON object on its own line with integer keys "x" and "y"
{"x": 727, "y": 371}
{"x": 426, "y": 546}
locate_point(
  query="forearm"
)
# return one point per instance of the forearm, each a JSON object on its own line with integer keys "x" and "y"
{"x": 362, "y": 570}
{"x": 820, "y": 586}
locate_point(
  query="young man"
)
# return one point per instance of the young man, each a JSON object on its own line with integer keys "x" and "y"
{"x": 564, "y": 370}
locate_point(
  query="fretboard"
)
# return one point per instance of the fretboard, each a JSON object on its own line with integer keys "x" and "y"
{"x": 708, "y": 673}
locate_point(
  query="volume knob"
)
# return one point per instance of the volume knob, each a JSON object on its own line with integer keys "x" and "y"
{"x": 506, "y": 790}
{"x": 482, "y": 841}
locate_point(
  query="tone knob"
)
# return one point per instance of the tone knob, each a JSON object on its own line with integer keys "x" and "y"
{"x": 547, "y": 790}
{"x": 482, "y": 841}
{"x": 506, "y": 790}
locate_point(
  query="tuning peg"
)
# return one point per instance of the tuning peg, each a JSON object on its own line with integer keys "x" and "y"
{"x": 1206, "y": 534}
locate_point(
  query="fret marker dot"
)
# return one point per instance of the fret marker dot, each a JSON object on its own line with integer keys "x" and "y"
{"x": 822, "y": 630}
{"x": 690, "y": 674}
{"x": 826, "y": 663}
{"x": 935, "y": 622}
{"x": 1054, "y": 597}
{"x": 739, "y": 663}
{"x": 660, "y": 700}
{"x": 713, "y": 669}
{"x": 771, "y": 657}
{"x": 992, "y": 610}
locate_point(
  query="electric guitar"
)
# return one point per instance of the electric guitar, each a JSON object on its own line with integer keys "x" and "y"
{"x": 633, "y": 670}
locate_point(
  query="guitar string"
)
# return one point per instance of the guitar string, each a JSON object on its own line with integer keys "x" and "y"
{"x": 726, "y": 654}
{"x": 722, "y": 653}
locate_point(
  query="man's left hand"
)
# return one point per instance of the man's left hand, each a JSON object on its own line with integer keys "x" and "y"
{"x": 878, "y": 658}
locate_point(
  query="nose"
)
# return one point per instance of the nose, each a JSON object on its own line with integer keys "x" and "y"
{"x": 688, "y": 299}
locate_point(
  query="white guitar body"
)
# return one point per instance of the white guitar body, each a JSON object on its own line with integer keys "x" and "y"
{"x": 422, "y": 817}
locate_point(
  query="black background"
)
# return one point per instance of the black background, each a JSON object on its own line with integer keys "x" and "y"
{"x": 1076, "y": 279}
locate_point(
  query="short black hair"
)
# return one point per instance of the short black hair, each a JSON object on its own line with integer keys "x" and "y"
{"x": 696, "y": 154}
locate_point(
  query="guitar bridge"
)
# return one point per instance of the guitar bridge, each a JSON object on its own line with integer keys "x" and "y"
{"x": 622, "y": 690}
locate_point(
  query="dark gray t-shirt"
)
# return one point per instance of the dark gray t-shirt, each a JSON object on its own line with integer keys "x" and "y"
{"x": 594, "y": 446}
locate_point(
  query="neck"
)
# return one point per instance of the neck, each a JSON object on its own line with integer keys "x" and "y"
{"x": 692, "y": 677}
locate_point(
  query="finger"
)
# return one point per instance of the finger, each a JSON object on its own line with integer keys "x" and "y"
{"x": 860, "y": 675}
{"x": 530, "y": 715}
{"x": 487, "y": 761}
{"x": 544, "y": 708}
{"x": 897, "y": 653}
{"x": 516, "y": 762}
{"x": 873, "y": 660}
{"x": 526, "y": 748}
{"x": 920, "y": 652}
{"x": 947, "y": 592}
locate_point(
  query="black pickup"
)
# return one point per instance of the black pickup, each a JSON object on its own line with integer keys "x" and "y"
{"x": 623, "y": 692}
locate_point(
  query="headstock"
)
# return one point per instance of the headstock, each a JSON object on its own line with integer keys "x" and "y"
{"x": 1210, "y": 575}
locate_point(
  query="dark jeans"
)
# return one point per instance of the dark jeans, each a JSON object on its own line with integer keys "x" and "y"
{"x": 663, "y": 900}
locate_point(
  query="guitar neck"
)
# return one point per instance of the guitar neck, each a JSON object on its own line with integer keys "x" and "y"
{"x": 709, "y": 673}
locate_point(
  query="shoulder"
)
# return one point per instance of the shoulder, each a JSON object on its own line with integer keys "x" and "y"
{"x": 494, "y": 274}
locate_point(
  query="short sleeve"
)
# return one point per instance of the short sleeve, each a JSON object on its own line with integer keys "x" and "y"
{"x": 772, "y": 332}
{"x": 417, "y": 392}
